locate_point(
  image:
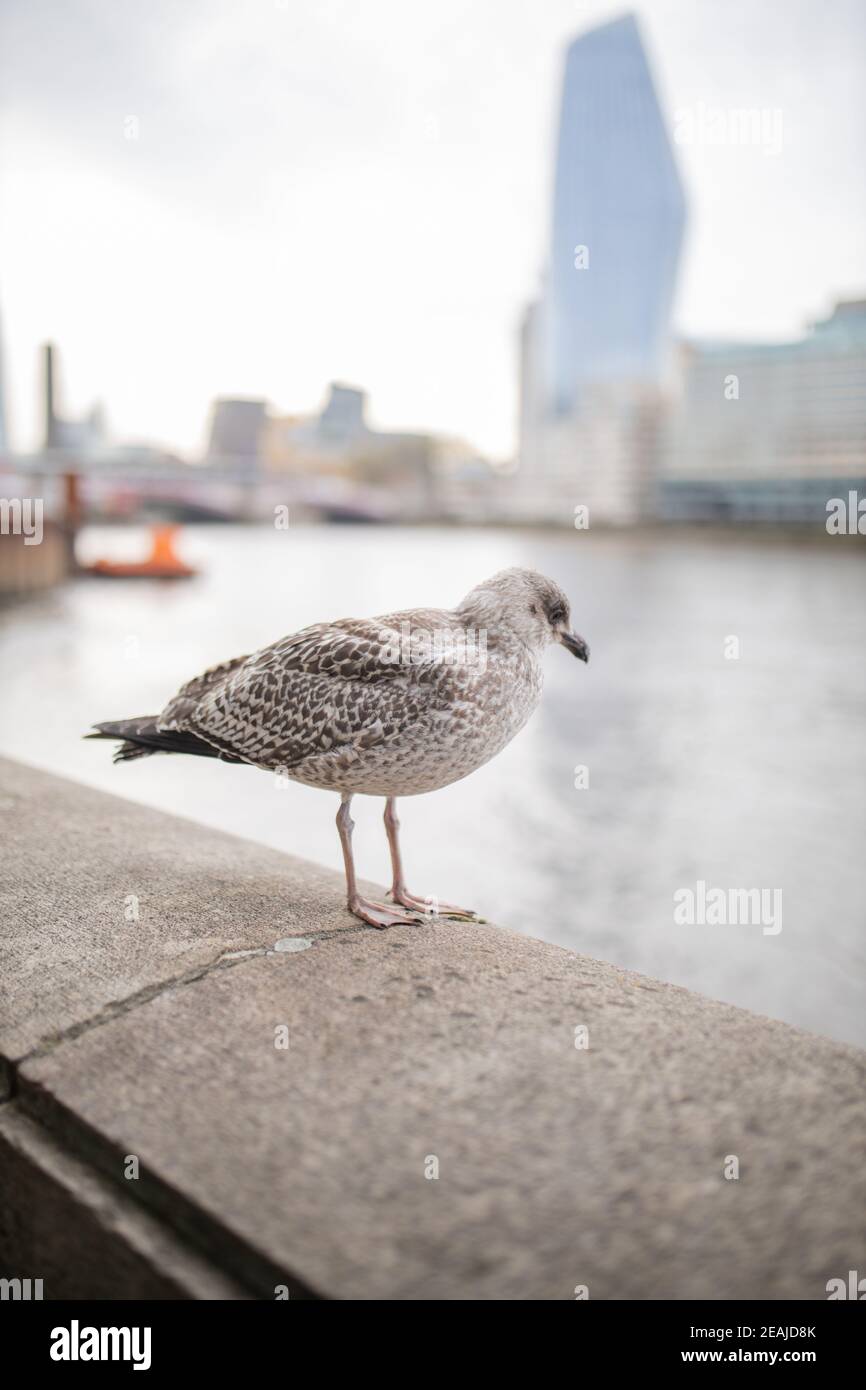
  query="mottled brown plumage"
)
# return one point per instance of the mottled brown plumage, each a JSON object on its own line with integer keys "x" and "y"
{"x": 390, "y": 706}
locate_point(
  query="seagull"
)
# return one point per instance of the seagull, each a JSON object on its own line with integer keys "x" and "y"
{"x": 391, "y": 706}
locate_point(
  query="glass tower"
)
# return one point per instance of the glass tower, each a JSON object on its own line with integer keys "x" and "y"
{"x": 618, "y": 219}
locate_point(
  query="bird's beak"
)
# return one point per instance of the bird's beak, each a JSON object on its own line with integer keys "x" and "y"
{"x": 575, "y": 645}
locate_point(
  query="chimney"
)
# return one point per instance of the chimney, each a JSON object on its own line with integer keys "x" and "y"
{"x": 50, "y": 417}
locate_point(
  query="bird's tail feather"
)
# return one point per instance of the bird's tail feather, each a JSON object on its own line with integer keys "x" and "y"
{"x": 142, "y": 737}
{"x": 128, "y": 752}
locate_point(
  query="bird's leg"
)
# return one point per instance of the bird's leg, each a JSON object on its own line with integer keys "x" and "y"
{"x": 399, "y": 892}
{"x": 375, "y": 914}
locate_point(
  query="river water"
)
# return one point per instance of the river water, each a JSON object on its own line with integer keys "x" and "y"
{"x": 735, "y": 763}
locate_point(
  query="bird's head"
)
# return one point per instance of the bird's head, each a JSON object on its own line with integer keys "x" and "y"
{"x": 526, "y": 604}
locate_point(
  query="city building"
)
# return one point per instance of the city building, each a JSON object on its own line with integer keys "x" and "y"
{"x": 596, "y": 345}
{"x": 617, "y": 226}
{"x": 349, "y": 468}
{"x": 237, "y": 432}
{"x": 769, "y": 432}
{"x": 86, "y": 435}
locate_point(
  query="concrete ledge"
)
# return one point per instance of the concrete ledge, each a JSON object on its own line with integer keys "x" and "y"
{"x": 61, "y": 1222}
{"x": 442, "y": 1047}
{"x": 78, "y": 865}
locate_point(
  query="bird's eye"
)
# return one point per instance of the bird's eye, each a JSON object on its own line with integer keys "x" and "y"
{"x": 556, "y": 615}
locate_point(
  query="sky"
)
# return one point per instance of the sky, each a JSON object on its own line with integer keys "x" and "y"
{"x": 255, "y": 197}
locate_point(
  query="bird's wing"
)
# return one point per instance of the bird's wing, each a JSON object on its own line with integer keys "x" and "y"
{"x": 334, "y": 688}
{"x": 189, "y": 695}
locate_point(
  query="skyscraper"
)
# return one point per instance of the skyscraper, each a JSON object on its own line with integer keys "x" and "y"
{"x": 618, "y": 218}
{"x": 595, "y": 347}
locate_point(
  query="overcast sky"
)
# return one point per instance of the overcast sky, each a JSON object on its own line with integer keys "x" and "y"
{"x": 325, "y": 189}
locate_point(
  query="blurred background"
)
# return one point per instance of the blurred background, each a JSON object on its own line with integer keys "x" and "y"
{"x": 311, "y": 310}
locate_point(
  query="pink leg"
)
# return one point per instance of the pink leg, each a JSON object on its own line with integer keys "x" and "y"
{"x": 399, "y": 892}
{"x": 375, "y": 914}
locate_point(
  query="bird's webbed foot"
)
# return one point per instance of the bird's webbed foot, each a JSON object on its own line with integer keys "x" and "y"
{"x": 432, "y": 907}
{"x": 381, "y": 914}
